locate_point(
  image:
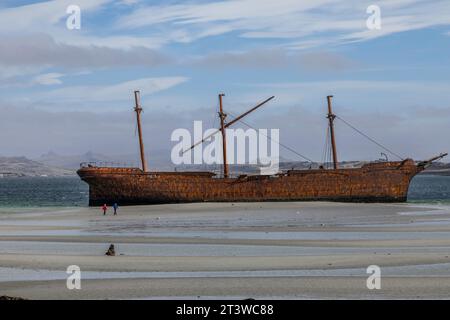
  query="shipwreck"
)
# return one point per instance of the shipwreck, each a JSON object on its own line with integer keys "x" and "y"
{"x": 380, "y": 181}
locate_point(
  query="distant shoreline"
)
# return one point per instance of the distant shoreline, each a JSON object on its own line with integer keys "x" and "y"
{"x": 442, "y": 173}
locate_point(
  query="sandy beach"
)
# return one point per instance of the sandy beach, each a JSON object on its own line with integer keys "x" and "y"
{"x": 228, "y": 250}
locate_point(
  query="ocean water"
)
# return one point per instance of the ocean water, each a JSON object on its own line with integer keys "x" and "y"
{"x": 430, "y": 189}
{"x": 43, "y": 192}
{"x": 72, "y": 192}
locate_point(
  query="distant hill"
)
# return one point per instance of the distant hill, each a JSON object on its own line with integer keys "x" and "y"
{"x": 438, "y": 168}
{"x": 24, "y": 167}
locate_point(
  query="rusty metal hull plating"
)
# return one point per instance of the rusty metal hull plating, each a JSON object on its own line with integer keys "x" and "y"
{"x": 374, "y": 182}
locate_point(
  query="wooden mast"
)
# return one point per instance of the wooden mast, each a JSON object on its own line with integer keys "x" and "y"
{"x": 331, "y": 118}
{"x": 138, "y": 110}
{"x": 222, "y": 117}
{"x": 228, "y": 124}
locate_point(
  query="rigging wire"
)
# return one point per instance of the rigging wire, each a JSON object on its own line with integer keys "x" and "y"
{"x": 330, "y": 150}
{"x": 136, "y": 157}
{"x": 326, "y": 148}
{"x": 215, "y": 165}
{"x": 284, "y": 146}
{"x": 327, "y": 163}
{"x": 369, "y": 138}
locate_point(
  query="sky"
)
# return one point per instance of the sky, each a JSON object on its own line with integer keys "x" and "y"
{"x": 71, "y": 90}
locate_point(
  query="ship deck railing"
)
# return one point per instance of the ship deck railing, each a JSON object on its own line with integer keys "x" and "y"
{"x": 106, "y": 164}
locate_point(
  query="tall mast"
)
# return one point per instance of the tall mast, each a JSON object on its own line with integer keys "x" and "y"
{"x": 331, "y": 118}
{"x": 228, "y": 124}
{"x": 138, "y": 110}
{"x": 222, "y": 117}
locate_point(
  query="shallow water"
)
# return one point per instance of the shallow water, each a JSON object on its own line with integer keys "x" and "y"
{"x": 43, "y": 192}
{"x": 429, "y": 189}
{"x": 200, "y": 250}
{"x": 428, "y": 270}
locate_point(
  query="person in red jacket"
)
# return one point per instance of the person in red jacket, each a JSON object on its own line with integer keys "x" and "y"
{"x": 104, "y": 208}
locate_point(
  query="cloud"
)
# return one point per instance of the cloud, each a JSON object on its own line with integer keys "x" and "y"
{"x": 43, "y": 15}
{"x": 25, "y": 77}
{"x": 49, "y": 17}
{"x": 388, "y": 97}
{"x": 101, "y": 93}
{"x": 48, "y": 79}
{"x": 276, "y": 58}
{"x": 360, "y": 84}
{"x": 13, "y": 75}
{"x": 43, "y": 50}
{"x": 234, "y": 10}
{"x": 299, "y": 24}
{"x": 124, "y": 42}
{"x": 366, "y": 88}
{"x": 129, "y": 2}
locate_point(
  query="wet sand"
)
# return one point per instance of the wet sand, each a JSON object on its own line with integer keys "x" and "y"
{"x": 312, "y": 250}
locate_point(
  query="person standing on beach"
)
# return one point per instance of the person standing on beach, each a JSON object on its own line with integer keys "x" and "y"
{"x": 104, "y": 208}
{"x": 115, "y": 206}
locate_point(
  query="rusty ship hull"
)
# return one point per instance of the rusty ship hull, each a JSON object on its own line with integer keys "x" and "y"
{"x": 373, "y": 182}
